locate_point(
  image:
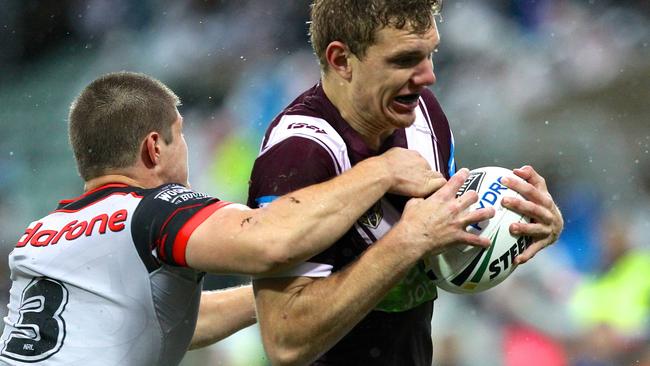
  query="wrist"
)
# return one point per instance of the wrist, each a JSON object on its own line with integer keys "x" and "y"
{"x": 379, "y": 168}
{"x": 405, "y": 242}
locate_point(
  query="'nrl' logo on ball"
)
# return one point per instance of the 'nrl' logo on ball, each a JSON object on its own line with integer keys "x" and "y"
{"x": 373, "y": 216}
{"x": 472, "y": 183}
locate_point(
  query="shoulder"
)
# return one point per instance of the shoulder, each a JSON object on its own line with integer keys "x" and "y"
{"x": 163, "y": 201}
{"x": 173, "y": 193}
{"x": 300, "y": 148}
{"x": 309, "y": 116}
{"x": 301, "y": 143}
{"x": 291, "y": 164}
{"x": 166, "y": 217}
{"x": 314, "y": 132}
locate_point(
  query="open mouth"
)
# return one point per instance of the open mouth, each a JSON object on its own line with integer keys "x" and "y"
{"x": 407, "y": 99}
{"x": 406, "y": 103}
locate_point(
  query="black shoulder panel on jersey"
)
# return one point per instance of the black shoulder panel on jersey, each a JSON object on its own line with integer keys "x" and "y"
{"x": 95, "y": 195}
{"x": 158, "y": 219}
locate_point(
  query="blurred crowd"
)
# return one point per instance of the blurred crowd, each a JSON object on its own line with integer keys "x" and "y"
{"x": 559, "y": 84}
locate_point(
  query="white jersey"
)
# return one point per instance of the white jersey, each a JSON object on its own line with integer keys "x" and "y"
{"x": 102, "y": 280}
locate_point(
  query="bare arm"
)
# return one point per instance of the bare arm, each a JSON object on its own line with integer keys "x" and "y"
{"x": 301, "y": 224}
{"x": 301, "y": 318}
{"x": 222, "y": 313}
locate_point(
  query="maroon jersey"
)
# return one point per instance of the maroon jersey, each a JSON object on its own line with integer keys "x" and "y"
{"x": 310, "y": 142}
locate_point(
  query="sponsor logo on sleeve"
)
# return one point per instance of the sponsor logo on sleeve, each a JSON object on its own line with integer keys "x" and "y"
{"x": 178, "y": 194}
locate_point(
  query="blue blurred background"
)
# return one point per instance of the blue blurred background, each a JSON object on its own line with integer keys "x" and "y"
{"x": 562, "y": 85}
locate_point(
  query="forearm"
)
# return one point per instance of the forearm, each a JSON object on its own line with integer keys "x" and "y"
{"x": 305, "y": 222}
{"x": 290, "y": 230}
{"x": 302, "y": 321}
{"x": 222, "y": 313}
{"x": 301, "y": 224}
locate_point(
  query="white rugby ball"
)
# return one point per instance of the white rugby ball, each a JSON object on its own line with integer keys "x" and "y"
{"x": 468, "y": 269}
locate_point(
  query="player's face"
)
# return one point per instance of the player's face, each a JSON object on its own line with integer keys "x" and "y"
{"x": 176, "y": 166}
{"x": 388, "y": 80}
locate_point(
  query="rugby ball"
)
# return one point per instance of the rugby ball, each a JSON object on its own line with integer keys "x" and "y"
{"x": 468, "y": 269}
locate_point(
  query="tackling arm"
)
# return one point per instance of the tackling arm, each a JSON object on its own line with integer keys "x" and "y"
{"x": 301, "y": 224}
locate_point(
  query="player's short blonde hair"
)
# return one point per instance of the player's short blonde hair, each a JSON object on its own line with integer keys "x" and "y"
{"x": 111, "y": 117}
{"x": 355, "y": 22}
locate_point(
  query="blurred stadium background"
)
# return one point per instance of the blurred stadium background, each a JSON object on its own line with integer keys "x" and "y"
{"x": 563, "y": 85}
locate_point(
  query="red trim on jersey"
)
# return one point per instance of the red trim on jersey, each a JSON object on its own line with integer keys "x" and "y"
{"x": 183, "y": 236}
{"x": 99, "y": 200}
{"x": 161, "y": 244}
{"x": 109, "y": 185}
{"x": 171, "y": 216}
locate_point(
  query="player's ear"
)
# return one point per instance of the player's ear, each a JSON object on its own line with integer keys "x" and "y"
{"x": 150, "y": 151}
{"x": 338, "y": 59}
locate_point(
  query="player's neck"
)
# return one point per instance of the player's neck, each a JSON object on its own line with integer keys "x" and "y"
{"x": 108, "y": 179}
{"x": 373, "y": 134}
{"x": 137, "y": 175}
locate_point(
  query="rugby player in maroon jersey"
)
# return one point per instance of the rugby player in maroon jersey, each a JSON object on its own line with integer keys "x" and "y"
{"x": 365, "y": 300}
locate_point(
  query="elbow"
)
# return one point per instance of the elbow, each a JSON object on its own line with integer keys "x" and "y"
{"x": 197, "y": 344}
{"x": 276, "y": 256}
{"x": 286, "y": 356}
{"x": 289, "y": 349}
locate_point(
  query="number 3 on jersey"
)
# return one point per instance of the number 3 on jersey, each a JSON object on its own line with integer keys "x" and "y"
{"x": 40, "y": 329}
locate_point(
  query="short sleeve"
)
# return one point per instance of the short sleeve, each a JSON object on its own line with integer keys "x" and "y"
{"x": 292, "y": 164}
{"x": 165, "y": 219}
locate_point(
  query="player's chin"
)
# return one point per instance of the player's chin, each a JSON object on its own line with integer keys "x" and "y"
{"x": 402, "y": 120}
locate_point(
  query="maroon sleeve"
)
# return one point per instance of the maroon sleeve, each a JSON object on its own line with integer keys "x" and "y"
{"x": 292, "y": 164}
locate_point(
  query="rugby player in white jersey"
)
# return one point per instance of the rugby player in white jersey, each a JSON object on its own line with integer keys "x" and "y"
{"x": 114, "y": 276}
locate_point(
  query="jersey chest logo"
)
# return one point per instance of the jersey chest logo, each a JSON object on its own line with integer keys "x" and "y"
{"x": 372, "y": 218}
{"x": 73, "y": 229}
